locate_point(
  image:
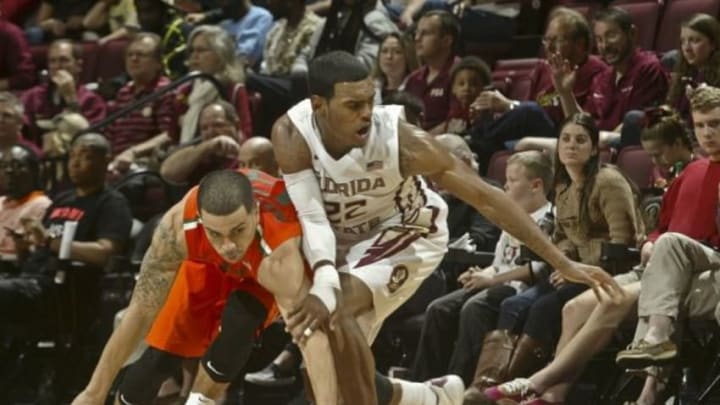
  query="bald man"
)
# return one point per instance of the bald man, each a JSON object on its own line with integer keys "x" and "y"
{"x": 257, "y": 153}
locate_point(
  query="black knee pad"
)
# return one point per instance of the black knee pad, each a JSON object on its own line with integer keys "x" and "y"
{"x": 383, "y": 388}
{"x": 143, "y": 379}
{"x": 228, "y": 353}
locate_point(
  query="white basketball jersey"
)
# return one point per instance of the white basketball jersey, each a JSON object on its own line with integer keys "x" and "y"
{"x": 365, "y": 189}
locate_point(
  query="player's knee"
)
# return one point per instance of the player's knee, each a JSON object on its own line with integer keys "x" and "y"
{"x": 243, "y": 316}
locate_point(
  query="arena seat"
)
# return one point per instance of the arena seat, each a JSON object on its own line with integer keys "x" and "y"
{"x": 111, "y": 60}
{"x": 676, "y": 12}
{"x": 646, "y": 16}
{"x": 496, "y": 167}
{"x": 637, "y": 165}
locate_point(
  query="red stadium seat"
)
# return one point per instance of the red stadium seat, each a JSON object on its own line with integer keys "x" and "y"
{"x": 111, "y": 60}
{"x": 496, "y": 167}
{"x": 637, "y": 165}
{"x": 646, "y": 16}
{"x": 677, "y": 11}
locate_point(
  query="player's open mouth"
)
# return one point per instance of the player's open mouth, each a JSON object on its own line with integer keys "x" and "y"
{"x": 363, "y": 132}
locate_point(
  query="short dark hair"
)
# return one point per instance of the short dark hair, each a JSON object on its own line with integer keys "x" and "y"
{"x": 331, "y": 68}
{"x": 94, "y": 141}
{"x": 449, "y": 24}
{"x": 475, "y": 64}
{"x": 77, "y": 50}
{"x": 158, "y": 51}
{"x": 222, "y": 192}
{"x": 414, "y": 107}
{"x": 616, "y": 15}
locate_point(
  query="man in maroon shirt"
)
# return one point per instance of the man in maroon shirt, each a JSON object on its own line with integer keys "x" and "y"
{"x": 145, "y": 130}
{"x": 216, "y": 148}
{"x": 635, "y": 81}
{"x": 436, "y": 38}
{"x": 568, "y": 34}
{"x": 62, "y": 92}
{"x": 17, "y": 70}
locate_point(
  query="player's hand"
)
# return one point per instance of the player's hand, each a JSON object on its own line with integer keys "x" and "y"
{"x": 307, "y": 318}
{"x": 594, "y": 277}
{"x": 85, "y": 398}
{"x": 556, "y": 279}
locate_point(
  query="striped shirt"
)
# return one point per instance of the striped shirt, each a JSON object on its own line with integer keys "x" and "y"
{"x": 144, "y": 123}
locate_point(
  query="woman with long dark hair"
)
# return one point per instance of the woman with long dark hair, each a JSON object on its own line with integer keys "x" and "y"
{"x": 594, "y": 204}
{"x": 699, "y": 60}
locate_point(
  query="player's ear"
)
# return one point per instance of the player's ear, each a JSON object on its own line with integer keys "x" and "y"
{"x": 317, "y": 102}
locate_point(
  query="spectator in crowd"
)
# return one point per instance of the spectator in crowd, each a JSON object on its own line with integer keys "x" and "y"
{"x": 246, "y": 23}
{"x": 24, "y": 199}
{"x": 436, "y": 41}
{"x": 60, "y": 19}
{"x": 681, "y": 275}
{"x": 467, "y": 79}
{"x": 414, "y": 109}
{"x": 699, "y": 60}
{"x": 588, "y": 326}
{"x": 62, "y": 92}
{"x": 594, "y": 204}
{"x": 17, "y": 70}
{"x": 257, "y": 153}
{"x": 144, "y": 131}
{"x": 288, "y": 47}
{"x": 211, "y": 51}
{"x": 103, "y": 227}
{"x": 355, "y": 26}
{"x": 666, "y": 140}
{"x": 395, "y": 61}
{"x": 18, "y": 11}
{"x": 404, "y": 11}
{"x": 216, "y": 148}
{"x": 569, "y": 35}
{"x": 635, "y": 81}
{"x": 11, "y": 123}
{"x": 119, "y": 15}
{"x": 464, "y": 316}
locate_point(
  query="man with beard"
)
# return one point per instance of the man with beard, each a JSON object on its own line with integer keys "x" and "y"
{"x": 636, "y": 79}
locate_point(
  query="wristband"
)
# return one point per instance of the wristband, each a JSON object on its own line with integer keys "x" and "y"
{"x": 325, "y": 281}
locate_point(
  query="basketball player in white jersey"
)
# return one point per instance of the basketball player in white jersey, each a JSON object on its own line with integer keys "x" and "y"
{"x": 372, "y": 229}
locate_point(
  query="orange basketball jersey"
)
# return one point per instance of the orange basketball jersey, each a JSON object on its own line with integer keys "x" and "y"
{"x": 190, "y": 318}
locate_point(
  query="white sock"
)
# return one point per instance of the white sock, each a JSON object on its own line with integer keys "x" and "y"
{"x": 197, "y": 398}
{"x": 414, "y": 393}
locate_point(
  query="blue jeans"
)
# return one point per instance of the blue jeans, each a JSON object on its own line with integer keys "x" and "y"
{"x": 514, "y": 310}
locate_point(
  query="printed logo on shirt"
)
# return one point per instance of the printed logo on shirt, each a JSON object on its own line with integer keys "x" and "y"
{"x": 437, "y": 92}
{"x": 397, "y": 278}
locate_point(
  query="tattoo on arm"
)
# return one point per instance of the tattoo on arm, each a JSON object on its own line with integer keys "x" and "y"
{"x": 159, "y": 266}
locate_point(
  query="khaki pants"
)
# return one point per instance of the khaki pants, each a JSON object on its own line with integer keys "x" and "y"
{"x": 681, "y": 277}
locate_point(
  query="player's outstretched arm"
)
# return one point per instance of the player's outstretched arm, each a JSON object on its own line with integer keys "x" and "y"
{"x": 295, "y": 162}
{"x": 421, "y": 155}
{"x": 157, "y": 272}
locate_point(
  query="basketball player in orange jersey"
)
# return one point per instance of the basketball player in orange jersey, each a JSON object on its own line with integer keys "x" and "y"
{"x": 206, "y": 289}
{"x": 373, "y": 229}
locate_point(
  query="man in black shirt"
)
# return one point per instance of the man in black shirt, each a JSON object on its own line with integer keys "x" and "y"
{"x": 103, "y": 226}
